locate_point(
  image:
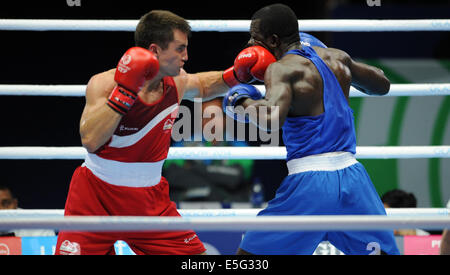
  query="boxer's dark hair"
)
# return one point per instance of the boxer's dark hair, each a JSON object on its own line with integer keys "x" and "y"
{"x": 278, "y": 19}
{"x": 157, "y": 27}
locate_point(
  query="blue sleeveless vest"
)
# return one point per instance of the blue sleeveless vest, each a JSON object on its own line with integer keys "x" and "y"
{"x": 331, "y": 131}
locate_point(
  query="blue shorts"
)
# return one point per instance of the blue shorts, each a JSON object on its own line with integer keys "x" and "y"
{"x": 347, "y": 191}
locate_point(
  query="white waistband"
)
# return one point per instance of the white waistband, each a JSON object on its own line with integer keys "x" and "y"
{"x": 131, "y": 174}
{"x": 323, "y": 162}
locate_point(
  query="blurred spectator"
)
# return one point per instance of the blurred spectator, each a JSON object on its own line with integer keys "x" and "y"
{"x": 400, "y": 199}
{"x": 9, "y": 202}
{"x": 7, "y": 199}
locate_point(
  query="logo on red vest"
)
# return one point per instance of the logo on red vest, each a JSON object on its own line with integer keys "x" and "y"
{"x": 168, "y": 124}
{"x": 70, "y": 248}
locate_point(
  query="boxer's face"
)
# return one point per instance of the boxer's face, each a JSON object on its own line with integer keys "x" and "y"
{"x": 172, "y": 59}
{"x": 258, "y": 39}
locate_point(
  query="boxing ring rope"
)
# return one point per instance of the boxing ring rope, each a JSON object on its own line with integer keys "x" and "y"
{"x": 221, "y": 152}
{"x": 335, "y": 25}
{"x": 425, "y": 89}
{"x": 226, "y": 220}
{"x": 230, "y": 212}
{"x": 235, "y": 223}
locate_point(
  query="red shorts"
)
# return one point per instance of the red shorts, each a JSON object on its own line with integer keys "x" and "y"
{"x": 88, "y": 195}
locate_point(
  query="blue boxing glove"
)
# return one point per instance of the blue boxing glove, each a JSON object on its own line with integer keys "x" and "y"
{"x": 236, "y": 93}
{"x": 308, "y": 40}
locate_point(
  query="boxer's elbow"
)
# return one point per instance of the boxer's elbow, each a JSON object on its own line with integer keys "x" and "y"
{"x": 90, "y": 144}
{"x": 90, "y": 148}
{"x": 382, "y": 87}
{"x": 383, "y": 84}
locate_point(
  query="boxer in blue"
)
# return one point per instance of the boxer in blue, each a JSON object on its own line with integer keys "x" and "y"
{"x": 309, "y": 86}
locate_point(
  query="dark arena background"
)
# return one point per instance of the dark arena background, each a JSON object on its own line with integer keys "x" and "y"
{"x": 72, "y": 57}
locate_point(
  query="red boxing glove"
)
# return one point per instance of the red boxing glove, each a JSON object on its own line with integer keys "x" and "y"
{"x": 251, "y": 63}
{"x": 135, "y": 67}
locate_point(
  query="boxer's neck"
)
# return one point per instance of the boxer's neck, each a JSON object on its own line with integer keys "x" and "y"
{"x": 152, "y": 91}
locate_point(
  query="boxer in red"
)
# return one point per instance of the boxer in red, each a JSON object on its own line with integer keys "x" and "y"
{"x": 126, "y": 127}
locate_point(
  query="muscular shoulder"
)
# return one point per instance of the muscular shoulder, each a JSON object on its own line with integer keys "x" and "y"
{"x": 297, "y": 72}
{"x": 287, "y": 68}
{"x": 339, "y": 62}
{"x": 181, "y": 79}
{"x": 333, "y": 55}
{"x": 181, "y": 82}
{"x": 101, "y": 83}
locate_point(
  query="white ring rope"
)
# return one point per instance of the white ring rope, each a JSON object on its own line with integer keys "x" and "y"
{"x": 425, "y": 89}
{"x": 42, "y": 90}
{"x": 230, "y": 212}
{"x": 226, "y": 219}
{"x": 220, "y": 152}
{"x": 284, "y": 223}
{"x": 336, "y": 25}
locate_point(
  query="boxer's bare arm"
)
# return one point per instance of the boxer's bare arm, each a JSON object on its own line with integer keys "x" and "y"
{"x": 98, "y": 121}
{"x": 277, "y": 101}
{"x": 206, "y": 85}
{"x": 367, "y": 79}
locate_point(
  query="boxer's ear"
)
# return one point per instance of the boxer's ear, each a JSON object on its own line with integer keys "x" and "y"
{"x": 154, "y": 48}
{"x": 273, "y": 41}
